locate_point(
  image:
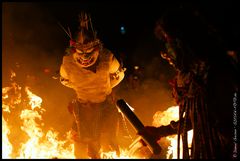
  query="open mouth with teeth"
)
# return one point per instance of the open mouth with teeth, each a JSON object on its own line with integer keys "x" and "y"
{"x": 86, "y": 57}
{"x": 85, "y": 62}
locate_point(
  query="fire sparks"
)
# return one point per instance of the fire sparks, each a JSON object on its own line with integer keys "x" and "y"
{"x": 164, "y": 118}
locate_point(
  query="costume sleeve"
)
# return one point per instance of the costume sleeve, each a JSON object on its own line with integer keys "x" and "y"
{"x": 64, "y": 79}
{"x": 172, "y": 128}
{"x": 116, "y": 72}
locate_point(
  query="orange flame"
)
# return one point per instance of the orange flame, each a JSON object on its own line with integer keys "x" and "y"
{"x": 164, "y": 118}
{"x": 42, "y": 144}
{"x": 35, "y": 101}
{"x": 113, "y": 154}
{"x": 6, "y": 145}
{"x": 39, "y": 144}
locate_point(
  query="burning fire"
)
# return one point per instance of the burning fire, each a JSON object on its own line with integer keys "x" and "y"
{"x": 164, "y": 118}
{"x": 6, "y": 145}
{"x": 113, "y": 154}
{"x": 41, "y": 144}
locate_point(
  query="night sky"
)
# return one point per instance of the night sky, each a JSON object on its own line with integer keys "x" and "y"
{"x": 33, "y": 45}
{"x": 137, "y": 18}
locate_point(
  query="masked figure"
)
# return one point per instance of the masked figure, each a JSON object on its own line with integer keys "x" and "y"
{"x": 92, "y": 71}
{"x": 203, "y": 86}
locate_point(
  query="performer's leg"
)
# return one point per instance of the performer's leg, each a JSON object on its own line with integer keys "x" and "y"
{"x": 110, "y": 122}
{"x": 94, "y": 149}
{"x": 88, "y": 118}
{"x": 80, "y": 148}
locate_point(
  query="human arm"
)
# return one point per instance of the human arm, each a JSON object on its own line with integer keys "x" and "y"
{"x": 163, "y": 131}
{"x": 116, "y": 72}
{"x": 158, "y": 132}
{"x": 64, "y": 79}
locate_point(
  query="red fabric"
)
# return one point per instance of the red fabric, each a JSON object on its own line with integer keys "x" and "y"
{"x": 72, "y": 42}
{"x": 73, "y": 50}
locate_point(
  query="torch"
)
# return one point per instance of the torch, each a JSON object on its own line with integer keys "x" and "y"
{"x": 153, "y": 146}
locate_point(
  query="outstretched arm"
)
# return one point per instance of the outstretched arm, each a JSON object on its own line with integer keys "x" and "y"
{"x": 164, "y": 131}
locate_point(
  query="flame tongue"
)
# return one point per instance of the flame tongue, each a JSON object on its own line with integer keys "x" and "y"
{"x": 164, "y": 118}
{"x": 6, "y": 145}
{"x": 35, "y": 101}
{"x": 42, "y": 144}
{"x": 39, "y": 143}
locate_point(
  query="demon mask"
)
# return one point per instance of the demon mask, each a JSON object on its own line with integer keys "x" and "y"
{"x": 86, "y": 45}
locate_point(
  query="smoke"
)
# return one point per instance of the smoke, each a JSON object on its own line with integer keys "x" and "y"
{"x": 32, "y": 47}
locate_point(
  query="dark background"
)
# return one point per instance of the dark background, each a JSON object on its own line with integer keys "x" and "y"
{"x": 33, "y": 45}
{"x": 138, "y": 19}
